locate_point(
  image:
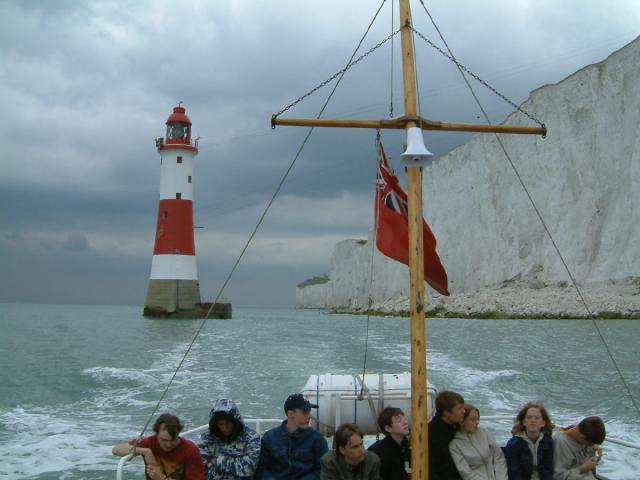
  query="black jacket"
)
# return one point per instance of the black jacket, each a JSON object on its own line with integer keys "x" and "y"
{"x": 441, "y": 466}
{"x": 392, "y": 458}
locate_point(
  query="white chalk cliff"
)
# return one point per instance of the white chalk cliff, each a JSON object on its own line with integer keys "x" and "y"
{"x": 584, "y": 178}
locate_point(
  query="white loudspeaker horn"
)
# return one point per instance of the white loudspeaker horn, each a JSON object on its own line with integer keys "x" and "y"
{"x": 416, "y": 154}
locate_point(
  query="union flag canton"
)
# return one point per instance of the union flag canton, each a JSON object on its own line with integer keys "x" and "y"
{"x": 392, "y": 231}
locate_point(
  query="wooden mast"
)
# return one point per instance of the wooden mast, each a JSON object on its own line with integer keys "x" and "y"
{"x": 417, "y": 306}
{"x": 419, "y": 416}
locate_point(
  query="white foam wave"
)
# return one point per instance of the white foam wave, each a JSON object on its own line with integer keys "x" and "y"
{"x": 45, "y": 441}
{"x": 104, "y": 374}
{"x": 71, "y": 438}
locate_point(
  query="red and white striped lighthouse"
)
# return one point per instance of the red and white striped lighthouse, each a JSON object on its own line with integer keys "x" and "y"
{"x": 173, "y": 283}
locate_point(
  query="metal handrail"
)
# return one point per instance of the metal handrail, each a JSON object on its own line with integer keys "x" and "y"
{"x": 257, "y": 422}
{"x": 609, "y": 439}
{"x": 121, "y": 463}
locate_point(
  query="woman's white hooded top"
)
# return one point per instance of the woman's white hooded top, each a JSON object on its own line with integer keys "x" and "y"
{"x": 477, "y": 456}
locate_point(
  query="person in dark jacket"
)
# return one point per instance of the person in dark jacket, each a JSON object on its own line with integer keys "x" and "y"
{"x": 349, "y": 460}
{"x": 393, "y": 449}
{"x": 442, "y": 428}
{"x": 230, "y": 450}
{"x": 293, "y": 449}
{"x": 529, "y": 452}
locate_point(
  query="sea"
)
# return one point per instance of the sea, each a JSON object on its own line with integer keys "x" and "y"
{"x": 75, "y": 380}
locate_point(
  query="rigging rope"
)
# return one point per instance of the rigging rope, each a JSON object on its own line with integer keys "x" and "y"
{"x": 461, "y": 69}
{"x": 391, "y": 74}
{"x": 339, "y": 73}
{"x": 262, "y": 217}
{"x": 469, "y": 72}
{"x": 375, "y": 219}
{"x": 373, "y": 251}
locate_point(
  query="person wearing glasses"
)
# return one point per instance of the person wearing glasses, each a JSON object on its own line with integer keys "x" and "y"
{"x": 293, "y": 449}
{"x": 166, "y": 455}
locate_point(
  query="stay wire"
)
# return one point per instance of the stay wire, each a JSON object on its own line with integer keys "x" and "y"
{"x": 539, "y": 215}
{"x": 340, "y": 73}
{"x": 468, "y": 71}
{"x": 253, "y": 233}
{"x": 373, "y": 251}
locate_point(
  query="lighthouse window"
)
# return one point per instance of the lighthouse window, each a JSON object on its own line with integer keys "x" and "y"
{"x": 178, "y": 196}
{"x": 165, "y": 214}
{"x": 179, "y": 159}
{"x": 178, "y": 130}
{"x": 189, "y": 179}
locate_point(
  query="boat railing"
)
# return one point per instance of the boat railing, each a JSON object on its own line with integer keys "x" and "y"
{"x": 493, "y": 418}
{"x": 258, "y": 425}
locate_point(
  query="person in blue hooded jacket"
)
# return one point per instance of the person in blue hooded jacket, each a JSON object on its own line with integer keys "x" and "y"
{"x": 293, "y": 449}
{"x": 229, "y": 449}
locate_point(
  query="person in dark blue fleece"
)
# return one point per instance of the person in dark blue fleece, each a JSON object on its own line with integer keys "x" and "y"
{"x": 529, "y": 452}
{"x": 293, "y": 449}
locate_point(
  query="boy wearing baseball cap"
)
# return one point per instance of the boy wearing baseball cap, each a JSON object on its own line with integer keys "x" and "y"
{"x": 293, "y": 449}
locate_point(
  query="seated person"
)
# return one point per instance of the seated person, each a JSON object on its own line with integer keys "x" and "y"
{"x": 529, "y": 452}
{"x": 442, "y": 428}
{"x": 229, "y": 448}
{"x": 349, "y": 460}
{"x": 475, "y": 453}
{"x": 293, "y": 449}
{"x": 166, "y": 455}
{"x": 393, "y": 450}
{"x": 577, "y": 449}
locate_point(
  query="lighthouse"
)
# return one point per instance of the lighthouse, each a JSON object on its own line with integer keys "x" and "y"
{"x": 173, "y": 283}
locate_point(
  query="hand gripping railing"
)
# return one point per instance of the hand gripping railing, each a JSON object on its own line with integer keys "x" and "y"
{"x": 257, "y": 424}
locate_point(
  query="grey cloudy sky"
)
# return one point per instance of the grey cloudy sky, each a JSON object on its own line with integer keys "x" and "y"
{"x": 86, "y": 86}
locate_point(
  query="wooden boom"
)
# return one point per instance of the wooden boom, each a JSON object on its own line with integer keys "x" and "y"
{"x": 400, "y": 123}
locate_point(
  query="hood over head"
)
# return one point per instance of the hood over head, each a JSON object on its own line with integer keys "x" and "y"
{"x": 225, "y": 408}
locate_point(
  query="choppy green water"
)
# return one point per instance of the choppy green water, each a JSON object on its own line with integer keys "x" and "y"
{"x": 76, "y": 379}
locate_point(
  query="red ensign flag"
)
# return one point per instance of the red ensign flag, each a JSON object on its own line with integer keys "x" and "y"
{"x": 392, "y": 231}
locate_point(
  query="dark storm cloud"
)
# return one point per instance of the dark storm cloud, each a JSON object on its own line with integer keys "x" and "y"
{"x": 86, "y": 87}
{"x": 76, "y": 242}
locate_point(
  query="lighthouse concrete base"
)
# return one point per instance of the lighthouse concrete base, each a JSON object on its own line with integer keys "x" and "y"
{"x": 219, "y": 311}
{"x": 172, "y": 295}
{"x": 180, "y": 299}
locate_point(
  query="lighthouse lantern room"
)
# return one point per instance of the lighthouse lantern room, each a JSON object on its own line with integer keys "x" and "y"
{"x": 173, "y": 283}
